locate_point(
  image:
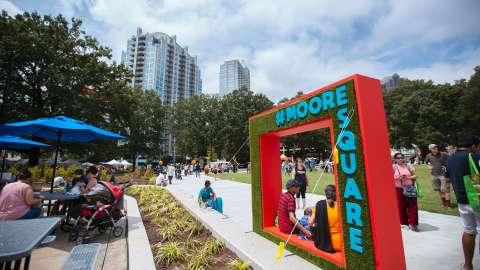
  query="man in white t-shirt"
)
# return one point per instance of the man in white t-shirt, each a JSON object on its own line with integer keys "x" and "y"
{"x": 170, "y": 174}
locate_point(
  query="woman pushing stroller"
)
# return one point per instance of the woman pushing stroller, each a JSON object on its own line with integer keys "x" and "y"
{"x": 100, "y": 206}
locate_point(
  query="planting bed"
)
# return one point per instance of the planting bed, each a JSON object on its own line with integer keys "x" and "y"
{"x": 177, "y": 239}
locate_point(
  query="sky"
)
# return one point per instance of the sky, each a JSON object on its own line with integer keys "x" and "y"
{"x": 292, "y": 46}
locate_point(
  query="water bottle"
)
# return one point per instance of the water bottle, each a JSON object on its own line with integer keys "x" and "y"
{"x": 65, "y": 187}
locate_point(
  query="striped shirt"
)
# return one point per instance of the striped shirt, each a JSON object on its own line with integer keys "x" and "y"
{"x": 285, "y": 206}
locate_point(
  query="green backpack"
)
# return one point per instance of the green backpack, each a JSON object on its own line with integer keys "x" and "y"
{"x": 472, "y": 184}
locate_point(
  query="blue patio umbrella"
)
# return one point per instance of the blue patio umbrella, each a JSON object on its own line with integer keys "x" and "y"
{"x": 59, "y": 129}
{"x": 17, "y": 143}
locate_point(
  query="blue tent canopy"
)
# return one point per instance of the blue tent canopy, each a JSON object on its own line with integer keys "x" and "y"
{"x": 16, "y": 143}
{"x": 59, "y": 128}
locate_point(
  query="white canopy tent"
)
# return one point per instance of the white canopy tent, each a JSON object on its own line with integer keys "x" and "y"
{"x": 125, "y": 163}
{"x": 113, "y": 162}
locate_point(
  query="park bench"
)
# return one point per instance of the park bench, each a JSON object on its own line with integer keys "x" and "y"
{"x": 82, "y": 257}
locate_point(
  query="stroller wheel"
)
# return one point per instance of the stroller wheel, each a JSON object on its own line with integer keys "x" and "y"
{"x": 117, "y": 231}
{"x": 82, "y": 237}
{"x": 79, "y": 240}
{"x": 73, "y": 236}
{"x": 66, "y": 226}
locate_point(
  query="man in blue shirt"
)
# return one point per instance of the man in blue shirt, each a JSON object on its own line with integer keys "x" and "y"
{"x": 457, "y": 167}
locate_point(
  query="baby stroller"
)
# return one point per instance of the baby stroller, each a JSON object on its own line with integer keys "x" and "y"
{"x": 102, "y": 211}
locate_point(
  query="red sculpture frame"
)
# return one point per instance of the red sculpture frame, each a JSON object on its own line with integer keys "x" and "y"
{"x": 385, "y": 225}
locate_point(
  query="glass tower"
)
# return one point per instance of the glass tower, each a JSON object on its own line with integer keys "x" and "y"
{"x": 233, "y": 76}
{"x": 160, "y": 64}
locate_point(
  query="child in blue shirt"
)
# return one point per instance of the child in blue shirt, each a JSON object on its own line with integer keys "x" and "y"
{"x": 304, "y": 222}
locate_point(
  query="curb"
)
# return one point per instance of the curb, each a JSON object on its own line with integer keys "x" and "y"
{"x": 140, "y": 255}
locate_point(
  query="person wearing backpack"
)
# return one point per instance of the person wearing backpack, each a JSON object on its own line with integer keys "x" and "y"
{"x": 461, "y": 165}
{"x": 405, "y": 175}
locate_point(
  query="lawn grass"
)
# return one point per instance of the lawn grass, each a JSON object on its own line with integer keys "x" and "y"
{"x": 430, "y": 202}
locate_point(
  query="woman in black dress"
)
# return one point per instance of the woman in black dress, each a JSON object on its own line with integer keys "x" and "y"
{"x": 301, "y": 177}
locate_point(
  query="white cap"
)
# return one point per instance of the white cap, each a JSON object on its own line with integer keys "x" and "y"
{"x": 431, "y": 146}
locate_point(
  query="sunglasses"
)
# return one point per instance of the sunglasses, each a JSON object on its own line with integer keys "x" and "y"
{"x": 400, "y": 158}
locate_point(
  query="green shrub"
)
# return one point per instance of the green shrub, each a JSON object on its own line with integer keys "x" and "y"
{"x": 70, "y": 171}
{"x": 180, "y": 225}
{"x": 195, "y": 228}
{"x": 150, "y": 208}
{"x": 169, "y": 253}
{"x": 61, "y": 172}
{"x": 159, "y": 221}
{"x": 153, "y": 180}
{"x": 48, "y": 173}
{"x": 105, "y": 175}
{"x": 192, "y": 243}
{"x": 238, "y": 264}
{"x": 35, "y": 172}
{"x": 198, "y": 262}
{"x": 12, "y": 170}
{"x": 168, "y": 232}
{"x": 213, "y": 246}
{"x": 148, "y": 174}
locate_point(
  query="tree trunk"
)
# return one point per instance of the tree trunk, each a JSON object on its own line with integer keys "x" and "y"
{"x": 134, "y": 162}
{"x": 33, "y": 157}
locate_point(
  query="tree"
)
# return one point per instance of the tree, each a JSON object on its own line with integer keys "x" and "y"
{"x": 145, "y": 124}
{"x": 421, "y": 112}
{"x": 49, "y": 67}
{"x": 237, "y": 107}
{"x": 195, "y": 125}
{"x": 206, "y": 125}
{"x": 468, "y": 110}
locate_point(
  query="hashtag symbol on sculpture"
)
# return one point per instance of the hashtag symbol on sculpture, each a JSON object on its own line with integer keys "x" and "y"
{"x": 280, "y": 118}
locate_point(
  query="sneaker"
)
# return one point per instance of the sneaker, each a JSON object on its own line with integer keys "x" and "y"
{"x": 414, "y": 228}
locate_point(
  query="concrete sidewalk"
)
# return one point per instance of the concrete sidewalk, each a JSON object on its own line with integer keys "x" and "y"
{"x": 437, "y": 246}
{"x": 113, "y": 255}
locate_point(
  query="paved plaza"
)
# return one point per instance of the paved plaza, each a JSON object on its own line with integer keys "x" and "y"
{"x": 113, "y": 255}
{"x": 437, "y": 246}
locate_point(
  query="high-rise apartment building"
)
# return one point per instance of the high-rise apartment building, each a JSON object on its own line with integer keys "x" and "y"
{"x": 160, "y": 64}
{"x": 391, "y": 82}
{"x": 233, "y": 76}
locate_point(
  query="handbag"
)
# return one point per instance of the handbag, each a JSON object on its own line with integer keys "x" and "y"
{"x": 409, "y": 191}
{"x": 472, "y": 184}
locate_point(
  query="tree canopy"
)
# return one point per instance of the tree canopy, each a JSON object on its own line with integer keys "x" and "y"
{"x": 421, "y": 112}
{"x": 217, "y": 127}
{"x": 49, "y": 67}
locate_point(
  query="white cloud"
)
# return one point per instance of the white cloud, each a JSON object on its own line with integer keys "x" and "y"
{"x": 9, "y": 7}
{"x": 443, "y": 72}
{"x": 301, "y": 45}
